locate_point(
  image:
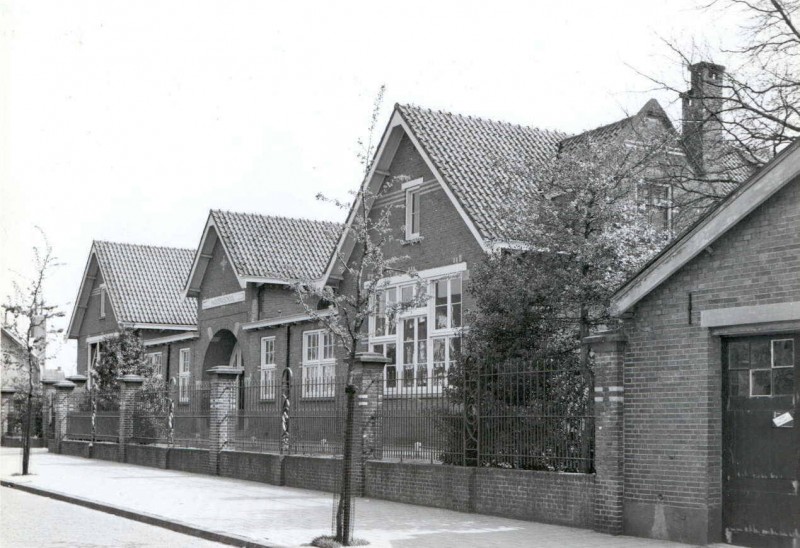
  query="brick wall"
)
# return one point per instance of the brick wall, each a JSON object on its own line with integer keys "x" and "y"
{"x": 318, "y": 473}
{"x": 75, "y": 448}
{"x": 263, "y": 467}
{"x": 188, "y": 460}
{"x": 565, "y": 499}
{"x": 147, "y": 455}
{"x": 105, "y": 451}
{"x": 673, "y": 420}
{"x": 92, "y": 324}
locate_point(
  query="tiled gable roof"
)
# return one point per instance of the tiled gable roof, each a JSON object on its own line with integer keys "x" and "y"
{"x": 145, "y": 283}
{"x": 468, "y": 153}
{"x": 282, "y": 248}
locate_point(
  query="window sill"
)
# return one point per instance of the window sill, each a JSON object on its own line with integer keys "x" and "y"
{"x": 412, "y": 241}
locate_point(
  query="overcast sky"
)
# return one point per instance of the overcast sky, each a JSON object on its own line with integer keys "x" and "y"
{"x": 127, "y": 121}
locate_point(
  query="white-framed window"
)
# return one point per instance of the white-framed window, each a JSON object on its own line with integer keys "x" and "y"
{"x": 423, "y": 339}
{"x": 412, "y": 189}
{"x": 319, "y": 364}
{"x": 102, "y": 301}
{"x": 184, "y": 374}
{"x": 267, "y": 369}
{"x": 447, "y": 303}
{"x": 154, "y": 360}
{"x": 657, "y": 201}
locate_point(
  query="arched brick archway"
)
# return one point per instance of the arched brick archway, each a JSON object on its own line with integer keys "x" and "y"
{"x": 220, "y": 350}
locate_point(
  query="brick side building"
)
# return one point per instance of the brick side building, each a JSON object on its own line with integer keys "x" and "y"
{"x": 137, "y": 287}
{"x": 711, "y": 329}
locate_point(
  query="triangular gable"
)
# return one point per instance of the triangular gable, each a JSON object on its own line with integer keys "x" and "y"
{"x": 90, "y": 271}
{"x": 375, "y": 178}
{"x": 203, "y": 256}
{"x": 784, "y": 168}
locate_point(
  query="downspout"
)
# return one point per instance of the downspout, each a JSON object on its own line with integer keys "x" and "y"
{"x": 167, "y": 368}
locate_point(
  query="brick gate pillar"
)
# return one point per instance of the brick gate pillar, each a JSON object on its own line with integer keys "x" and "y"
{"x": 224, "y": 397}
{"x": 609, "y": 351}
{"x": 48, "y": 400}
{"x": 63, "y": 392}
{"x": 129, "y": 385}
{"x": 367, "y": 424}
{"x": 79, "y": 381}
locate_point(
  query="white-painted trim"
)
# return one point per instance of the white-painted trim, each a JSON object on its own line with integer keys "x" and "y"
{"x": 426, "y": 275}
{"x": 161, "y": 326}
{"x": 412, "y": 184}
{"x": 295, "y": 318}
{"x": 79, "y": 305}
{"x": 170, "y": 339}
{"x": 740, "y": 315}
{"x": 223, "y": 300}
{"x": 749, "y": 196}
{"x": 100, "y": 338}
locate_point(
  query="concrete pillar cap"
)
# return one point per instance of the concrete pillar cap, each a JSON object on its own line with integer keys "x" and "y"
{"x": 49, "y": 381}
{"x": 9, "y": 390}
{"x": 372, "y": 357}
{"x": 605, "y": 337}
{"x": 131, "y": 379}
{"x": 77, "y": 378}
{"x": 65, "y": 385}
{"x": 225, "y": 370}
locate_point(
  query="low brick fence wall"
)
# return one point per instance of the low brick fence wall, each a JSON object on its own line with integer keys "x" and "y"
{"x": 319, "y": 473}
{"x": 14, "y": 441}
{"x": 147, "y": 455}
{"x": 549, "y": 497}
{"x": 75, "y": 448}
{"x": 189, "y": 460}
{"x": 263, "y": 467}
{"x": 105, "y": 451}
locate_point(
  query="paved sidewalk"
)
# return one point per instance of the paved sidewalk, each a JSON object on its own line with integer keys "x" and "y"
{"x": 284, "y": 516}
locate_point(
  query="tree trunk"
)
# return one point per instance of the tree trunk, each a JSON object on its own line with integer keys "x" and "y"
{"x": 26, "y": 435}
{"x": 344, "y": 514}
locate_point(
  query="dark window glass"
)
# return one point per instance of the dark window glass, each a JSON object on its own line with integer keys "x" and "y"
{"x": 738, "y": 355}
{"x": 761, "y": 382}
{"x": 783, "y": 381}
{"x": 783, "y": 353}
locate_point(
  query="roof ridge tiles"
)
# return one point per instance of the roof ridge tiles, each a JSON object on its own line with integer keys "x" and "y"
{"x": 480, "y": 118}
{"x": 149, "y": 246}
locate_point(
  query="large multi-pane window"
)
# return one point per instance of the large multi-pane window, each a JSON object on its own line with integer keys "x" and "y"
{"x": 154, "y": 360}
{"x": 319, "y": 364}
{"x": 418, "y": 326}
{"x": 267, "y": 369}
{"x": 184, "y": 374}
{"x": 657, "y": 201}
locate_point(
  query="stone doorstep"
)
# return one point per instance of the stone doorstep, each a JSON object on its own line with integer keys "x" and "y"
{"x": 149, "y": 519}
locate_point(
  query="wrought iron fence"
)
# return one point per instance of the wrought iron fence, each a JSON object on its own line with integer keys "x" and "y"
{"x": 316, "y": 416}
{"x": 259, "y": 417}
{"x": 93, "y": 415}
{"x": 153, "y": 410}
{"x": 17, "y": 416}
{"x": 192, "y": 414}
{"x": 419, "y": 421}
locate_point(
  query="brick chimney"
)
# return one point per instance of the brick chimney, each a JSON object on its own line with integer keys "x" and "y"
{"x": 702, "y": 107}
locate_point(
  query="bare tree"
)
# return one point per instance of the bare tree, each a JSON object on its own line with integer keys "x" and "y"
{"x": 345, "y": 312}
{"x": 31, "y": 316}
{"x": 754, "y": 102}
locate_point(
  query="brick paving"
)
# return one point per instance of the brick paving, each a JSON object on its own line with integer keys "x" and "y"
{"x": 285, "y": 516}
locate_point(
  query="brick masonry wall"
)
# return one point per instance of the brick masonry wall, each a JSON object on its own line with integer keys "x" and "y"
{"x": 105, "y": 451}
{"x": 147, "y": 455}
{"x": 188, "y": 460}
{"x": 94, "y": 325}
{"x": 673, "y": 414}
{"x": 263, "y": 467}
{"x": 75, "y": 448}
{"x": 565, "y": 499}
{"x": 318, "y": 473}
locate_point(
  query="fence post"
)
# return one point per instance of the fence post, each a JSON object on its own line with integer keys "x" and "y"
{"x": 368, "y": 377}
{"x": 224, "y": 392}
{"x": 63, "y": 392}
{"x": 78, "y": 380}
{"x": 128, "y": 386}
{"x": 608, "y": 350}
{"x": 48, "y": 392}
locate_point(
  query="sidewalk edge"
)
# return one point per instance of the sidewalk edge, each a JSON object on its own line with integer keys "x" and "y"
{"x": 149, "y": 519}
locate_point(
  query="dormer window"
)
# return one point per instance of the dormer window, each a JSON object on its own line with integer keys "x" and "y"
{"x": 102, "y": 301}
{"x": 412, "y": 190}
{"x": 657, "y": 202}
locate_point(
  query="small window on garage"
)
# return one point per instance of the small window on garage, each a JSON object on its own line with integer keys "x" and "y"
{"x": 761, "y": 367}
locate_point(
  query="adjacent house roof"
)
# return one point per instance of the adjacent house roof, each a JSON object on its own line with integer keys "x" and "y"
{"x": 782, "y": 169}
{"x": 144, "y": 284}
{"x": 469, "y": 154}
{"x": 264, "y": 248}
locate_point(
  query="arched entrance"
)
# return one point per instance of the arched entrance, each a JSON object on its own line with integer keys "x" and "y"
{"x": 222, "y": 348}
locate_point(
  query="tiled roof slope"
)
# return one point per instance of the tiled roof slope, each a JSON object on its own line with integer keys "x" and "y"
{"x": 276, "y": 247}
{"x": 468, "y": 151}
{"x": 145, "y": 282}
